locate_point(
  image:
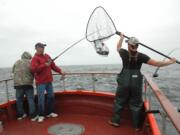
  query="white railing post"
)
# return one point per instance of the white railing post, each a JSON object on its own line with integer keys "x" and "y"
{"x": 163, "y": 128}
{"x": 93, "y": 82}
{"x": 64, "y": 83}
{"x": 7, "y": 91}
{"x": 145, "y": 89}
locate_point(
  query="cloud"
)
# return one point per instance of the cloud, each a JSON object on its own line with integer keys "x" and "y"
{"x": 61, "y": 23}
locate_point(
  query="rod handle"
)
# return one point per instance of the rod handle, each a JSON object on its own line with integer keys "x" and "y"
{"x": 119, "y": 33}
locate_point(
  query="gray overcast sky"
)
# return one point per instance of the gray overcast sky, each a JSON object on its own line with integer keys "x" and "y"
{"x": 60, "y": 23}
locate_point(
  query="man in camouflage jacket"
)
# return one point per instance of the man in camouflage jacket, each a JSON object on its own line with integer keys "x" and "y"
{"x": 23, "y": 83}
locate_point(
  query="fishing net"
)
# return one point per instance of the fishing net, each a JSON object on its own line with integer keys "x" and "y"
{"x": 102, "y": 27}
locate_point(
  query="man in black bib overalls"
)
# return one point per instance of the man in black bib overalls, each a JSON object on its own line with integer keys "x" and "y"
{"x": 130, "y": 81}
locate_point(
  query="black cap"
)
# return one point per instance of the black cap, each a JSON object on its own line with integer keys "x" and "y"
{"x": 40, "y": 45}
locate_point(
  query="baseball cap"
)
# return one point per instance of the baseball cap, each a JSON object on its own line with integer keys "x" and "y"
{"x": 40, "y": 45}
{"x": 132, "y": 41}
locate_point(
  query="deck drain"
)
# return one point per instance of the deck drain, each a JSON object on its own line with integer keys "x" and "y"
{"x": 66, "y": 129}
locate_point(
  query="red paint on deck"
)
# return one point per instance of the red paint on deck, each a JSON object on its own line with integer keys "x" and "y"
{"x": 94, "y": 125}
{"x": 93, "y": 110}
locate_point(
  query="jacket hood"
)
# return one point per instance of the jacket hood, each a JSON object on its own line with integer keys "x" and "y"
{"x": 26, "y": 55}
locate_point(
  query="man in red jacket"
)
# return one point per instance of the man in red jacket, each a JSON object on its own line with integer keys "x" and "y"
{"x": 41, "y": 66}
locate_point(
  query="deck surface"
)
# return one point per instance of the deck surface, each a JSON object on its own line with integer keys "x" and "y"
{"x": 94, "y": 125}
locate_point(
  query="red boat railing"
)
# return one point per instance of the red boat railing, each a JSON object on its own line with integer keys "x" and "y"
{"x": 169, "y": 110}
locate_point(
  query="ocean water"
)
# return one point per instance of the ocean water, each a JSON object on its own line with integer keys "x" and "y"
{"x": 168, "y": 81}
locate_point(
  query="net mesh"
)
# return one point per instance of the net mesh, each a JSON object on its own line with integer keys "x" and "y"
{"x": 102, "y": 27}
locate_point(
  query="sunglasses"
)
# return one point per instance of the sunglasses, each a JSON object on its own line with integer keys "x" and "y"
{"x": 134, "y": 46}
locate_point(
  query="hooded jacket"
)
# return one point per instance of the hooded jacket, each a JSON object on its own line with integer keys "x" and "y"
{"x": 22, "y": 74}
{"x": 43, "y": 73}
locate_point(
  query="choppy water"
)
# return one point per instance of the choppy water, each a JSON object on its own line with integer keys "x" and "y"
{"x": 168, "y": 81}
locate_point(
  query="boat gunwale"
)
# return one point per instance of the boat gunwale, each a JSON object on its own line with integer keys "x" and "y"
{"x": 152, "y": 121}
{"x": 167, "y": 106}
{"x": 66, "y": 92}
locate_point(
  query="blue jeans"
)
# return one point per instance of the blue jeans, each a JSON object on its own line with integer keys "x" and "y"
{"x": 41, "y": 88}
{"x": 29, "y": 92}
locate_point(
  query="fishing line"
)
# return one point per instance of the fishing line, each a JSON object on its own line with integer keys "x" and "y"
{"x": 157, "y": 69}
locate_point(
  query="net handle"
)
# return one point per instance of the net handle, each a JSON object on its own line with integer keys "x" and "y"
{"x": 119, "y": 33}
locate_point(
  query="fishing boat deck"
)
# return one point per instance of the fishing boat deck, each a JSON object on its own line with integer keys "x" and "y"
{"x": 94, "y": 125}
{"x": 91, "y": 110}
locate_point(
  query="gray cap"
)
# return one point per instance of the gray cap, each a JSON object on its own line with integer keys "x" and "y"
{"x": 40, "y": 45}
{"x": 132, "y": 41}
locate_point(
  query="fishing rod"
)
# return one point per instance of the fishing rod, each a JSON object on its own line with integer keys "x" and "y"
{"x": 76, "y": 43}
{"x": 68, "y": 48}
{"x": 157, "y": 69}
